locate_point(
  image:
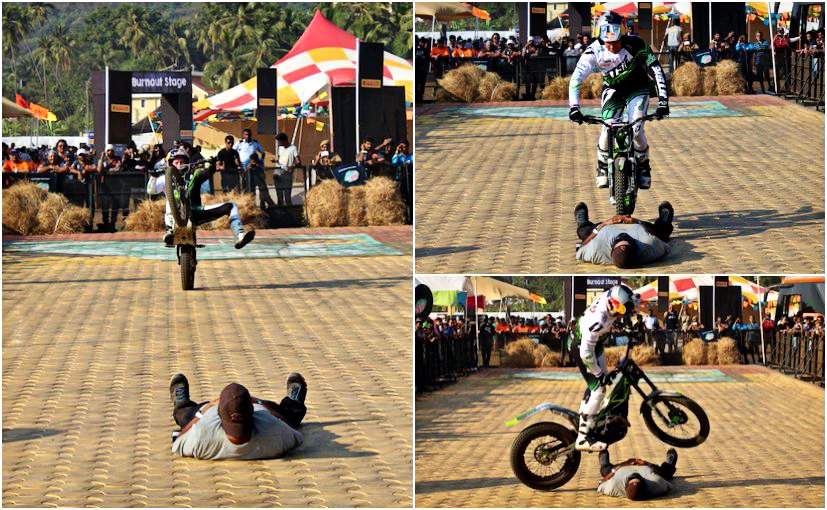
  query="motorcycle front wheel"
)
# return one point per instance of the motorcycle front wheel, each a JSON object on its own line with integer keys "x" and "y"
{"x": 177, "y": 204}
{"x": 624, "y": 198}
{"x": 543, "y": 456}
{"x": 676, "y": 420}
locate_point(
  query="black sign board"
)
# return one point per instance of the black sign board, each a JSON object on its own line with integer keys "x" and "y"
{"x": 369, "y": 91}
{"x": 602, "y": 282}
{"x": 266, "y": 109}
{"x": 161, "y": 82}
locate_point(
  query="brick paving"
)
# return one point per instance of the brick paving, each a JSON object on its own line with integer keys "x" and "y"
{"x": 765, "y": 448}
{"x": 496, "y": 194}
{"x": 89, "y": 345}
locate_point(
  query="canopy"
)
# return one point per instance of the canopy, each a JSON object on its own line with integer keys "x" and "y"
{"x": 12, "y": 110}
{"x": 493, "y": 290}
{"x": 685, "y": 287}
{"x": 324, "y": 55}
{"x": 449, "y": 11}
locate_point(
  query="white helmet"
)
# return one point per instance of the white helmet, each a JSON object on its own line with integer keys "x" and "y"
{"x": 609, "y": 26}
{"x": 620, "y": 300}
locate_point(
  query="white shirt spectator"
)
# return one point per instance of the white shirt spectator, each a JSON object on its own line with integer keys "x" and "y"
{"x": 246, "y": 150}
{"x": 673, "y": 36}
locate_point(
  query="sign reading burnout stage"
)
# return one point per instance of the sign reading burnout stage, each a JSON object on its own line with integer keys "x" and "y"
{"x": 161, "y": 82}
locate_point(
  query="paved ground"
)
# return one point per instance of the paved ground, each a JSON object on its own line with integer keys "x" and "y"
{"x": 89, "y": 344}
{"x": 496, "y": 186}
{"x": 765, "y": 449}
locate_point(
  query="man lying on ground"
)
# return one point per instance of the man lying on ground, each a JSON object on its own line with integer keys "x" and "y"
{"x": 622, "y": 240}
{"x": 237, "y": 425}
{"x": 635, "y": 478}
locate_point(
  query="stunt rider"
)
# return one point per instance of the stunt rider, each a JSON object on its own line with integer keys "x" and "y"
{"x": 586, "y": 348}
{"x": 626, "y": 63}
{"x": 205, "y": 213}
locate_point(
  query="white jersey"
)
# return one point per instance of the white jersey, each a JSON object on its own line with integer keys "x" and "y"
{"x": 595, "y": 322}
{"x": 628, "y": 69}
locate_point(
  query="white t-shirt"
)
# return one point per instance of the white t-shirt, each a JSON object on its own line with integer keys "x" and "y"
{"x": 271, "y": 438}
{"x": 288, "y": 156}
{"x": 673, "y": 36}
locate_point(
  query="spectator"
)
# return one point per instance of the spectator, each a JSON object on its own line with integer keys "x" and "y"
{"x": 486, "y": 335}
{"x": 761, "y": 61}
{"x": 82, "y": 166}
{"x": 288, "y": 160}
{"x": 673, "y": 42}
{"x": 572, "y": 55}
{"x": 671, "y": 322}
{"x": 686, "y": 49}
{"x": 16, "y": 163}
{"x": 401, "y": 157}
{"x": 108, "y": 164}
{"x": 371, "y": 157}
{"x": 228, "y": 162}
{"x": 323, "y": 162}
{"x": 62, "y": 150}
{"x": 440, "y": 57}
{"x": 252, "y": 157}
{"x": 742, "y": 57}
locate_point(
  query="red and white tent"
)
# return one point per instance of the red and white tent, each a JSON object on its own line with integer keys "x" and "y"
{"x": 324, "y": 55}
{"x": 685, "y": 287}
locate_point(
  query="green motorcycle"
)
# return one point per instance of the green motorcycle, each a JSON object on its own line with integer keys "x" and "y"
{"x": 543, "y": 455}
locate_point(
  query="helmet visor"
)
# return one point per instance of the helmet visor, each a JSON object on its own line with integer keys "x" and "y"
{"x": 617, "y": 307}
{"x": 610, "y": 32}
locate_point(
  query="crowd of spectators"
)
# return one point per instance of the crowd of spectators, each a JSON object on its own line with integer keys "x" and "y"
{"x": 533, "y": 61}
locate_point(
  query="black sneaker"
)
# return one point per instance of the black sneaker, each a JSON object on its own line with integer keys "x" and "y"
{"x": 581, "y": 214}
{"x": 671, "y": 457}
{"x": 665, "y": 212}
{"x": 169, "y": 238}
{"x": 244, "y": 238}
{"x": 296, "y": 387}
{"x": 179, "y": 389}
{"x": 645, "y": 181}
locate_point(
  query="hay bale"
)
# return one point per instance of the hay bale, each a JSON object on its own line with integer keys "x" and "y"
{"x": 250, "y": 213}
{"x": 327, "y": 205}
{"x": 694, "y": 353}
{"x": 463, "y": 82}
{"x": 558, "y": 88}
{"x": 710, "y": 87}
{"x": 49, "y": 213}
{"x": 711, "y": 349}
{"x": 357, "y": 215}
{"x": 443, "y": 96}
{"x": 728, "y": 79}
{"x": 504, "y": 91}
{"x": 728, "y": 352}
{"x": 148, "y": 217}
{"x": 488, "y": 83}
{"x": 552, "y": 359}
{"x": 520, "y": 354}
{"x": 613, "y": 355}
{"x": 384, "y": 202}
{"x": 687, "y": 80}
{"x": 645, "y": 355}
{"x": 21, "y": 203}
{"x": 540, "y": 353}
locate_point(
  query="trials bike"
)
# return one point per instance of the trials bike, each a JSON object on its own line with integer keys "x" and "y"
{"x": 623, "y": 171}
{"x": 184, "y": 238}
{"x": 543, "y": 455}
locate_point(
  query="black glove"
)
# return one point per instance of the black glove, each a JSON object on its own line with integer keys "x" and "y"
{"x": 575, "y": 115}
{"x": 663, "y": 108}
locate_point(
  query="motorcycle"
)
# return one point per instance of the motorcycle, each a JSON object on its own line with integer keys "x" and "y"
{"x": 623, "y": 169}
{"x": 184, "y": 237}
{"x": 543, "y": 456}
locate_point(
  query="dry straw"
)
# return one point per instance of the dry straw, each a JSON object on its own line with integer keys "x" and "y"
{"x": 687, "y": 80}
{"x": 327, "y": 205}
{"x": 384, "y": 202}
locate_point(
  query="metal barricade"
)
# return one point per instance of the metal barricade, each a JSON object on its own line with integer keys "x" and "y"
{"x": 441, "y": 359}
{"x": 799, "y": 353}
{"x": 806, "y": 77}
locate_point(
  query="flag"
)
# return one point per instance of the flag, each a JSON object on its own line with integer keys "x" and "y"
{"x": 319, "y": 126}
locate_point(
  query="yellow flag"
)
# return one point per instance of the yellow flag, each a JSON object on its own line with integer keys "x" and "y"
{"x": 319, "y": 126}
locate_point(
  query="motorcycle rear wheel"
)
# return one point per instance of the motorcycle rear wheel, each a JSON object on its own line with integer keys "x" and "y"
{"x": 556, "y": 438}
{"x": 187, "y": 263}
{"x": 675, "y": 411}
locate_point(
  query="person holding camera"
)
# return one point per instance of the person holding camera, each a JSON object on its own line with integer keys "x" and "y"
{"x": 372, "y": 158}
{"x": 401, "y": 157}
{"x": 323, "y": 162}
{"x": 252, "y": 163}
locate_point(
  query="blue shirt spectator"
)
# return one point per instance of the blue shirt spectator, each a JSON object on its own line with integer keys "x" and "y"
{"x": 248, "y": 149}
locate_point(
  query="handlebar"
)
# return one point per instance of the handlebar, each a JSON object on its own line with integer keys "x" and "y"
{"x": 591, "y": 119}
